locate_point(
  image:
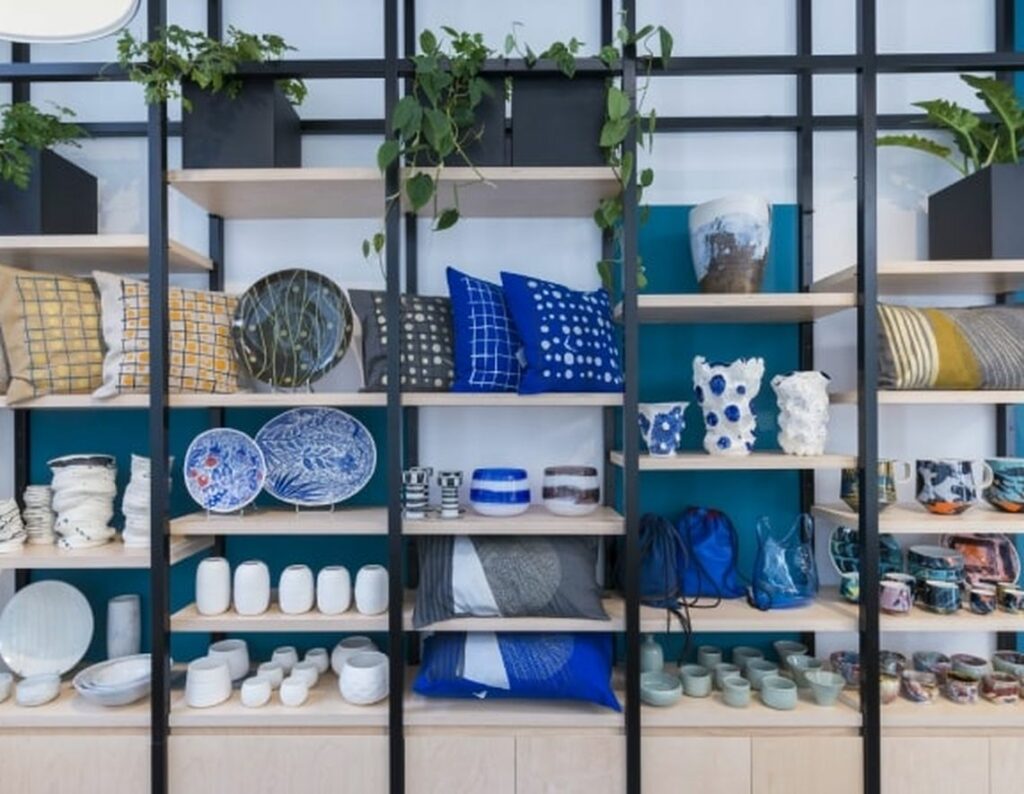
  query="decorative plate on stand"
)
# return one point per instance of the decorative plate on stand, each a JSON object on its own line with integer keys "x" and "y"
{"x": 987, "y": 558}
{"x": 292, "y": 327}
{"x": 45, "y": 628}
{"x": 224, "y": 470}
{"x": 316, "y": 456}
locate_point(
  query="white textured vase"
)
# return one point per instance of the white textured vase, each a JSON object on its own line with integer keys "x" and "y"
{"x": 124, "y": 626}
{"x": 364, "y": 678}
{"x": 803, "y": 411}
{"x": 725, "y": 394}
{"x": 372, "y": 589}
{"x": 295, "y": 591}
{"x": 333, "y": 590}
{"x": 213, "y": 586}
{"x": 252, "y": 588}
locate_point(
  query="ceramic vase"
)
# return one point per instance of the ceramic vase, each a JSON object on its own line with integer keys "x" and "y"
{"x": 252, "y": 588}
{"x": 347, "y": 648}
{"x": 364, "y": 678}
{"x": 661, "y": 426}
{"x": 236, "y": 653}
{"x": 803, "y": 411}
{"x": 12, "y": 528}
{"x": 295, "y": 590}
{"x": 729, "y": 239}
{"x": 725, "y": 393}
{"x": 213, "y": 586}
{"x": 207, "y": 683}
{"x": 372, "y": 589}
{"x": 500, "y": 492}
{"x": 571, "y": 490}
{"x": 333, "y": 590}
{"x": 84, "y": 487}
{"x": 124, "y": 626}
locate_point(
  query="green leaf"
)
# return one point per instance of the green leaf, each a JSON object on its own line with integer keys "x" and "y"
{"x": 643, "y": 33}
{"x": 626, "y": 171}
{"x": 919, "y": 142}
{"x": 378, "y": 242}
{"x": 448, "y": 218}
{"x": 366, "y": 249}
{"x": 428, "y": 42}
{"x": 609, "y": 56}
{"x": 407, "y": 117}
{"x": 530, "y": 58}
{"x": 1001, "y": 99}
{"x": 419, "y": 188}
{"x": 959, "y": 121}
{"x": 618, "y": 103}
{"x": 605, "y": 269}
{"x": 666, "y": 45}
{"x": 614, "y": 132}
{"x": 386, "y": 154}
{"x": 646, "y": 177}
{"x": 510, "y": 43}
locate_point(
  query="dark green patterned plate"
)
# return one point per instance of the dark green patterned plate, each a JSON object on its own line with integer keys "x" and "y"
{"x": 292, "y": 327}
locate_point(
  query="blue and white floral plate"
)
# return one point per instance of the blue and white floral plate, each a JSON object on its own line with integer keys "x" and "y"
{"x": 224, "y": 470}
{"x": 316, "y": 456}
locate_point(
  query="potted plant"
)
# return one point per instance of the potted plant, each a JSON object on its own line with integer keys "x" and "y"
{"x": 227, "y": 121}
{"x": 976, "y": 217}
{"x": 40, "y": 191}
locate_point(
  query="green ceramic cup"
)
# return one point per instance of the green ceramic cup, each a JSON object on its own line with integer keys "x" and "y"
{"x": 800, "y": 665}
{"x": 660, "y": 689}
{"x": 786, "y": 648}
{"x": 758, "y": 670}
{"x": 778, "y": 693}
{"x": 723, "y": 670}
{"x": 696, "y": 680}
{"x": 825, "y": 686}
{"x": 736, "y": 692}
{"x": 742, "y": 654}
{"x": 709, "y": 656}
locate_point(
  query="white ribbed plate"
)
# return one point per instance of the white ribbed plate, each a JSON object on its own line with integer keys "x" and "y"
{"x": 45, "y": 628}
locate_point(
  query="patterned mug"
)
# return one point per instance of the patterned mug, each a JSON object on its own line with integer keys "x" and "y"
{"x": 948, "y": 487}
{"x": 890, "y": 474}
{"x": 661, "y": 425}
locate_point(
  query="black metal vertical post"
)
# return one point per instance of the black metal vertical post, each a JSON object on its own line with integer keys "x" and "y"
{"x": 867, "y": 383}
{"x": 215, "y": 278}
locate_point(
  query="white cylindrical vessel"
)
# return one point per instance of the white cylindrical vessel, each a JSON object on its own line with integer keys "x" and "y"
{"x": 213, "y": 586}
{"x": 364, "y": 678}
{"x": 124, "y": 626}
{"x": 252, "y": 588}
{"x": 372, "y": 589}
{"x": 333, "y": 590}
{"x": 295, "y": 590}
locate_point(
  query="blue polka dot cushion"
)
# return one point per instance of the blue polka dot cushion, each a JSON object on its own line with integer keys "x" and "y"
{"x": 568, "y": 337}
{"x": 486, "y": 341}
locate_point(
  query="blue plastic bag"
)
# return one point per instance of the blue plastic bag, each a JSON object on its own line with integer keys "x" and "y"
{"x": 785, "y": 574}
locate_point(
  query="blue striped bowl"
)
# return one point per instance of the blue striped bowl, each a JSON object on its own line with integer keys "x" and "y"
{"x": 500, "y": 492}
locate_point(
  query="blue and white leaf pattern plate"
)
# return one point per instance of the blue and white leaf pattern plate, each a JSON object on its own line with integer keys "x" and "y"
{"x": 224, "y": 470}
{"x": 316, "y": 456}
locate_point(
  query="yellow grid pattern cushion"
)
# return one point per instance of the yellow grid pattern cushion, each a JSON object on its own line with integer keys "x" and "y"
{"x": 51, "y": 332}
{"x": 201, "y": 352}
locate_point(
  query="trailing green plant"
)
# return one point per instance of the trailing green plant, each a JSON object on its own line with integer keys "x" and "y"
{"x": 160, "y": 66}
{"x": 24, "y": 129}
{"x": 979, "y": 142}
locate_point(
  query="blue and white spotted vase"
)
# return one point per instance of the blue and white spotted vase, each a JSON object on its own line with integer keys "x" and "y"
{"x": 725, "y": 394}
{"x": 661, "y": 426}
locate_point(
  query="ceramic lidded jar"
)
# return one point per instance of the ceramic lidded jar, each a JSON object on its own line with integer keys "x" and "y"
{"x": 662, "y": 425}
{"x": 725, "y": 393}
{"x": 729, "y": 239}
{"x": 372, "y": 589}
{"x": 803, "y": 411}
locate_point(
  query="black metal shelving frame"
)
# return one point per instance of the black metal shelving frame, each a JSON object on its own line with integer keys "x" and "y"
{"x": 866, "y": 64}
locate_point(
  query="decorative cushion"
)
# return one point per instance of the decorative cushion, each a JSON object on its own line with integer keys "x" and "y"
{"x": 486, "y": 341}
{"x": 568, "y": 339}
{"x": 4, "y": 377}
{"x": 507, "y": 577}
{"x": 975, "y": 348}
{"x": 482, "y": 665}
{"x": 427, "y": 362}
{"x": 201, "y": 350}
{"x": 51, "y": 333}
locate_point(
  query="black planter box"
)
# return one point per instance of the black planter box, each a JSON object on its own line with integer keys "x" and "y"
{"x": 60, "y": 199}
{"x": 259, "y": 128}
{"x": 979, "y": 217}
{"x": 557, "y": 120}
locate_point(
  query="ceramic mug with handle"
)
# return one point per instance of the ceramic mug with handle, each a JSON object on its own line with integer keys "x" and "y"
{"x": 949, "y": 486}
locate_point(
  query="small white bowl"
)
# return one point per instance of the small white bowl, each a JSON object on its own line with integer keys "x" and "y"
{"x": 308, "y": 672}
{"x": 319, "y": 657}
{"x": 256, "y": 692}
{"x": 286, "y": 656}
{"x": 348, "y": 647}
{"x": 235, "y": 653}
{"x": 273, "y": 672}
{"x": 37, "y": 690}
{"x": 294, "y": 691}
{"x": 364, "y": 678}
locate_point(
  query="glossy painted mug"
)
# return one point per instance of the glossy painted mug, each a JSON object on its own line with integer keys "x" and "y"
{"x": 948, "y": 486}
{"x": 1007, "y": 489}
{"x": 894, "y": 597}
{"x": 890, "y": 474}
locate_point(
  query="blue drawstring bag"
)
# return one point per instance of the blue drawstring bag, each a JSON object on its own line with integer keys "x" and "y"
{"x": 709, "y": 550}
{"x": 785, "y": 574}
{"x": 660, "y": 552}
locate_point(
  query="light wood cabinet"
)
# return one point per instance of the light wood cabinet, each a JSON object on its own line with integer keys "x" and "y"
{"x": 806, "y": 764}
{"x": 927, "y": 765}
{"x": 443, "y": 764}
{"x": 56, "y": 762}
{"x": 561, "y": 764}
{"x": 1006, "y": 764}
{"x": 671, "y": 764}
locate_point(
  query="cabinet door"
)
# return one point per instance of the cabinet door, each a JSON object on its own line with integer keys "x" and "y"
{"x": 671, "y": 764}
{"x": 56, "y": 763}
{"x": 947, "y": 764}
{"x": 790, "y": 764}
{"x": 309, "y": 763}
{"x": 567, "y": 764}
{"x": 444, "y": 764}
{"x": 1006, "y": 758}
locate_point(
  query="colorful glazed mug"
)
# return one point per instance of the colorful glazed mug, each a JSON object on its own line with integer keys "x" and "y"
{"x": 962, "y": 688}
{"x": 1007, "y": 489}
{"x": 948, "y": 486}
{"x": 1001, "y": 688}
{"x": 890, "y": 474}
{"x": 1010, "y": 597}
{"x": 894, "y": 597}
{"x": 982, "y": 599}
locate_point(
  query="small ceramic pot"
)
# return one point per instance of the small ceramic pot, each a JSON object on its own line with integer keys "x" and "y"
{"x": 235, "y": 653}
{"x": 364, "y": 678}
{"x": 849, "y": 587}
{"x": 320, "y": 658}
{"x": 37, "y": 690}
{"x": 333, "y": 590}
{"x": 892, "y": 662}
{"x": 652, "y": 657}
{"x": 962, "y": 688}
{"x": 6, "y": 683}
{"x": 252, "y": 588}
{"x": 888, "y": 687}
{"x": 571, "y": 490}
{"x": 1003, "y": 688}
{"x": 982, "y": 599}
{"x": 725, "y": 393}
{"x": 736, "y": 691}
{"x": 696, "y": 680}
{"x": 947, "y": 486}
{"x": 256, "y": 692}
{"x": 729, "y": 241}
{"x": 124, "y": 626}
{"x": 758, "y": 670}
{"x": 826, "y": 687}
{"x": 349, "y": 647}
{"x": 778, "y": 693}
{"x": 896, "y": 598}
{"x": 207, "y": 682}
{"x": 1007, "y": 490}
{"x": 213, "y": 586}
{"x": 661, "y": 427}
{"x": 803, "y": 411}
{"x": 500, "y": 492}
{"x": 295, "y": 590}
{"x": 308, "y": 672}
{"x": 919, "y": 687}
{"x": 973, "y": 666}
{"x": 272, "y": 672}
{"x": 1011, "y": 662}
{"x": 286, "y": 656}
{"x": 724, "y": 670}
{"x": 800, "y": 664}
{"x": 742, "y": 654}
{"x": 930, "y": 661}
{"x": 1010, "y": 597}
{"x": 890, "y": 474}
{"x": 847, "y": 664}
{"x": 709, "y": 656}
{"x": 372, "y": 590}
{"x": 450, "y": 482}
{"x": 658, "y": 688}
{"x": 942, "y": 598}
{"x": 293, "y": 691}
{"x": 786, "y": 648}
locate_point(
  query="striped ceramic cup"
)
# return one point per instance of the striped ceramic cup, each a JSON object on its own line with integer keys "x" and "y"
{"x": 500, "y": 492}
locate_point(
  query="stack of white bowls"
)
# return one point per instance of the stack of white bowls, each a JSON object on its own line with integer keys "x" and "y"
{"x": 12, "y": 531}
{"x": 117, "y": 682}
{"x": 135, "y": 505}
{"x": 84, "y": 488}
{"x": 38, "y": 515}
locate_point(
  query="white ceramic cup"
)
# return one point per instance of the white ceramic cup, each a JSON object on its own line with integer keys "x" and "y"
{"x": 235, "y": 653}
{"x": 124, "y": 626}
{"x": 37, "y": 690}
{"x": 6, "y": 682}
{"x": 273, "y": 672}
{"x": 213, "y": 586}
{"x": 207, "y": 683}
{"x": 333, "y": 590}
{"x": 319, "y": 657}
{"x": 295, "y": 591}
{"x": 364, "y": 678}
{"x": 349, "y": 647}
{"x": 294, "y": 691}
{"x": 286, "y": 656}
{"x": 256, "y": 692}
{"x": 372, "y": 589}
{"x": 308, "y": 672}
{"x": 252, "y": 588}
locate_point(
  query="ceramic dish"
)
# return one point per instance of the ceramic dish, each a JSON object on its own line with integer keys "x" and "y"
{"x": 987, "y": 558}
{"x": 843, "y": 551}
{"x": 116, "y": 682}
{"x": 224, "y": 470}
{"x": 660, "y": 689}
{"x": 36, "y": 690}
{"x": 46, "y": 627}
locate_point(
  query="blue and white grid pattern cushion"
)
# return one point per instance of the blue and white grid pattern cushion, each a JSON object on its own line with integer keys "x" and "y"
{"x": 568, "y": 336}
{"x": 486, "y": 341}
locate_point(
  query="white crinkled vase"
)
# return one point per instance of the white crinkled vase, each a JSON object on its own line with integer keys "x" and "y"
{"x": 803, "y": 411}
{"x": 725, "y": 394}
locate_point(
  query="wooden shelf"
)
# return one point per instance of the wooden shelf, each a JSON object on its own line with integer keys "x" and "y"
{"x": 711, "y": 713}
{"x": 359, "y": 192}
{"x": 913, "y": 518}
{"x": 71, "y": 711}
{"x": 536, "y": 521}
{"x": 936, "y": 277}
{"x": 77, "y": 401}
{"x": 945, "y": 717}
{"x": 764, "y": 461}
{"x": 111, "y": 555}
{"x": 963, "y": 621}
{"x": 793, "y": 307}
{"x": 284, "y": 521}
{"x": 936, "y": 397}
{"x": 511, "y": 400}
{"x": 82, "y": 253}
{"x": 188, "y": 619}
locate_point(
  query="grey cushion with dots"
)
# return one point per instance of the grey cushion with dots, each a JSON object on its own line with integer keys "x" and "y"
{"x": 427, "y": 360}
